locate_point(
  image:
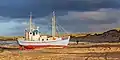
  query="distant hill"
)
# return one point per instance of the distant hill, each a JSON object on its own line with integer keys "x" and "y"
{"x": 108, "y": 36}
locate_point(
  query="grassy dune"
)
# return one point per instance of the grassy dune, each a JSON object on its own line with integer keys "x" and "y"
{"x": 8, "y": 38}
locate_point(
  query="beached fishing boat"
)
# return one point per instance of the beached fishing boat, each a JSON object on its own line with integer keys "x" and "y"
{"x": 34, "y": 39}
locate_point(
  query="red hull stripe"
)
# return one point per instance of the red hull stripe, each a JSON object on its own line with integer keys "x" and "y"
{"x": 43, "y": 46}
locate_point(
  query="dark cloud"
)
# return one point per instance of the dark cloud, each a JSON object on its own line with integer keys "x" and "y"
{"x": 102, "y": 16}
{"x": 95, "y": 22}
{"x": 40, "y": 8}
{"x": 82, "y": 5}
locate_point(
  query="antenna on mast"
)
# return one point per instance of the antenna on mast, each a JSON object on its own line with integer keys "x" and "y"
{"x": 30, "y": 21}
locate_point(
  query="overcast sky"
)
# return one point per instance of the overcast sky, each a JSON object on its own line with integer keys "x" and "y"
{"x": 73, "y": 15}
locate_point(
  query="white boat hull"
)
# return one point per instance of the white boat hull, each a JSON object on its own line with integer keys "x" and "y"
{"x": 51, "y": 43}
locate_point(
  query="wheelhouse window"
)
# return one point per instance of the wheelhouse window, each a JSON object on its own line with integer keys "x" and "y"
{"x": 36, "y": 32}
{"x": 33, "y": 33}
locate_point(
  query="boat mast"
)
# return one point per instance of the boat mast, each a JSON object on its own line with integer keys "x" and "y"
{"x": 53, "y": 25}
{"x": 30, "y": 26}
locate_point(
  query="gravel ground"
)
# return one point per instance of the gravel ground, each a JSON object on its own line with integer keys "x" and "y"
{"x": 70, "y": 53}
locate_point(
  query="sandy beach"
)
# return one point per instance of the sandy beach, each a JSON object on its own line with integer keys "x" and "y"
{"x": 72, "y": 52}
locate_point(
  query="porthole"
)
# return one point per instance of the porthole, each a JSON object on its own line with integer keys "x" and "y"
{"x": 42, "y": 39}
